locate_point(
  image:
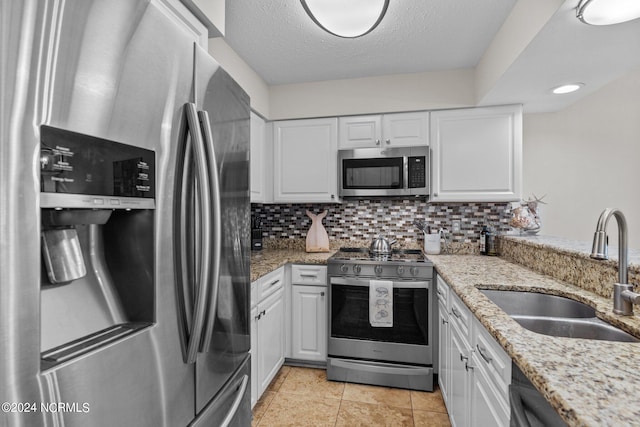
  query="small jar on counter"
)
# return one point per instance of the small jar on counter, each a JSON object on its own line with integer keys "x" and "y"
{"x": 491, "y": 242}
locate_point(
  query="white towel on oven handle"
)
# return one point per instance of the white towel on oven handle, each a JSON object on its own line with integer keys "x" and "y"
{"x": 381, "y": 303}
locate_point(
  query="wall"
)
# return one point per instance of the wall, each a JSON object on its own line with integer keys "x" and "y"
{"x": 365, "y": 219}
{"x": 586, "y": 158}
{"x": 382, "y": 94}
{"x": 250, "y": 81}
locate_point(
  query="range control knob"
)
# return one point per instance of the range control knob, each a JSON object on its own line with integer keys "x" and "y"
{"x": 413, "y": 271}
{"x": 378, "y": 270}
{"x": 344, "y": 268}
{"x": 357, "y": 269}
{"x": 400, "y": 270}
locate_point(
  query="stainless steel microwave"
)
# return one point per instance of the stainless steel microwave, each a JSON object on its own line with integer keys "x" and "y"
{"x": 390, "y": 172}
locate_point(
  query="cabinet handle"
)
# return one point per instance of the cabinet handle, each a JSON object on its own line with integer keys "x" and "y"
{"x": 465, "y": 359}
{"x": 456, "y": 312}
{"x": 481, "y": 352}
{"x": 444, "y": 322}
{"x": 272, "y": 284}
{"x": 440, "y": 293}
{"x": 321, "y": 294}
{"x": 263, "y": 313}
{"x": 313, "y": 275}
{"x": 377, "y": 142}
{"x": 388, "y": 141}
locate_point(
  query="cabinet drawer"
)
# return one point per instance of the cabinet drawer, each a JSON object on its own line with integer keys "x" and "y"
{"x": 309, "y": 275}
{"x": 459, "y": 314}
{"x": 270, "y": 283}
{"x": 442, "y": 290}
{"x": 493, "y": 359}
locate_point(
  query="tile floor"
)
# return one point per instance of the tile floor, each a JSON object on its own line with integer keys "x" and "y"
{"x": 304, "y": 397}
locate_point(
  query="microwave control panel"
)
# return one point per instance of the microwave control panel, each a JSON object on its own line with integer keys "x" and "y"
{"x": 417, "y": 171}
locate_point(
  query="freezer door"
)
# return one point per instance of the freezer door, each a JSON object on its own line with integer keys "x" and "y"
{"x": 225, "y": 118}
{"x": 232, "y": 406}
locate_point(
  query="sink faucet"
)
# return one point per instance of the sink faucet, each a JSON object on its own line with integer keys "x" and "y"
{"x": 623, "y": 295}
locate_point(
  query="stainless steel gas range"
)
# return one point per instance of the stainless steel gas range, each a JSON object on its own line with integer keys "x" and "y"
{"x": 399, "y": 353}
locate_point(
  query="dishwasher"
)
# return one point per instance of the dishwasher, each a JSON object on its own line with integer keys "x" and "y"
{"x": 528, "y": 407}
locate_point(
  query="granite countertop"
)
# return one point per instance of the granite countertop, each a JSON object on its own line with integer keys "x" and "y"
{"x": 267, "y": 260}
{"x": 575, "y": 247}
{"x": 589, "y": 382}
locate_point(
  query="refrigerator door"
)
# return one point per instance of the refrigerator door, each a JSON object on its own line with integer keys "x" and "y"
{"x": 224, "y": 118}
{"x": 21, "y": 31}
{"x": 121, "y": 70}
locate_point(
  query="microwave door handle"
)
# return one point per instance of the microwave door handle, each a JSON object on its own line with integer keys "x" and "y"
{"x": 204, "y": 204}
{"x": 214, "y": 283}
{"x": 405, "y": 172}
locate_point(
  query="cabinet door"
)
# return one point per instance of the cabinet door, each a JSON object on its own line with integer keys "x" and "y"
{"x": 477, "y": 154}
{"x": 459, "y": 356}
{"x": 254, "y": 356}
{"x": 487, "y": 407}
{"x": 271, "y": 339}
{"x": 309, "y": 322}
{"x": 359, "y": 131}
{"x": 406, "y": 129}
{"x": 444, "y": 334}
{"x": 260, "y": 160}
{"x": 305, "y": 160}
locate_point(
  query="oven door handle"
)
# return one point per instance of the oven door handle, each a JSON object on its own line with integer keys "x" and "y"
{"x": 401, "y": 284}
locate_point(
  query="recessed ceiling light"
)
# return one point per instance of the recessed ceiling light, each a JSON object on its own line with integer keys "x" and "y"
{"x": 607, "y": 12}
{"x": 346, "y": 18}
{"x": 567, "y": 88}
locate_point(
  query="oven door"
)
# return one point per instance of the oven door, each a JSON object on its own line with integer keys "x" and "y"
{"x": 409, "y": 340}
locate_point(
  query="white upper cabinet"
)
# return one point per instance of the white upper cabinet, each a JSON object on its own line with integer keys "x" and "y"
{"x": 477, "y": 154}
{"x": 261, "y": 161}
{"x": 305, "y": 160}
{"x": 397, "y": 130}
{"x": 406, "y": 129}
{"x": 360, "y": 131}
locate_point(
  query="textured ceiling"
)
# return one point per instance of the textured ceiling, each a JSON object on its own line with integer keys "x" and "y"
{"x": 281, "y": 43}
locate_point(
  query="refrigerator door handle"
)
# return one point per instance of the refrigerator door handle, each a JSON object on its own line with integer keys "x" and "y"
{"x": 236, "y": 403}
{"x": 204, "y": 204}
{"x": 205, "y": 124}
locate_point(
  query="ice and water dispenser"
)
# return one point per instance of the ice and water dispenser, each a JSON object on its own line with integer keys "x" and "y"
{"x": 97, "y": 200}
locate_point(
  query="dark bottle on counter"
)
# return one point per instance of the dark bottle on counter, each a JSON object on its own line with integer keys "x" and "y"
{"x": 483, "y": 240}
{"x": 256, "y": 234}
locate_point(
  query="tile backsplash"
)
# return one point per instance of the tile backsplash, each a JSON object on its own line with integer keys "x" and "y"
{"x": 361, "y": 219}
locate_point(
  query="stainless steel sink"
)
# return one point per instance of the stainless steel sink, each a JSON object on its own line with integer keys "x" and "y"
{"x": 556, "y": 316}
{"x": 590, "y": 328}
{"x": 537, "y": 304}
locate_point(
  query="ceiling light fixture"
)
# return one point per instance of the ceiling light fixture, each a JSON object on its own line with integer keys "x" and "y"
{"x": 560, "y": 90}
{"x": 607, "y": 12}
{"x": 346, "y": 18}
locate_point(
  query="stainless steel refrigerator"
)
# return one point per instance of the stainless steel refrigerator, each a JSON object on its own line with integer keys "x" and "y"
{"x": 124, "y": 304}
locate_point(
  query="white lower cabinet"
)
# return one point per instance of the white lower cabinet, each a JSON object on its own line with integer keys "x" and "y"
{"x": 268, "y": 331}
{"x": 444, "y": 332}
{"x": 475, "y": 372}
{"x": 309, "y": 322}
{"x": 309, "y": 313}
